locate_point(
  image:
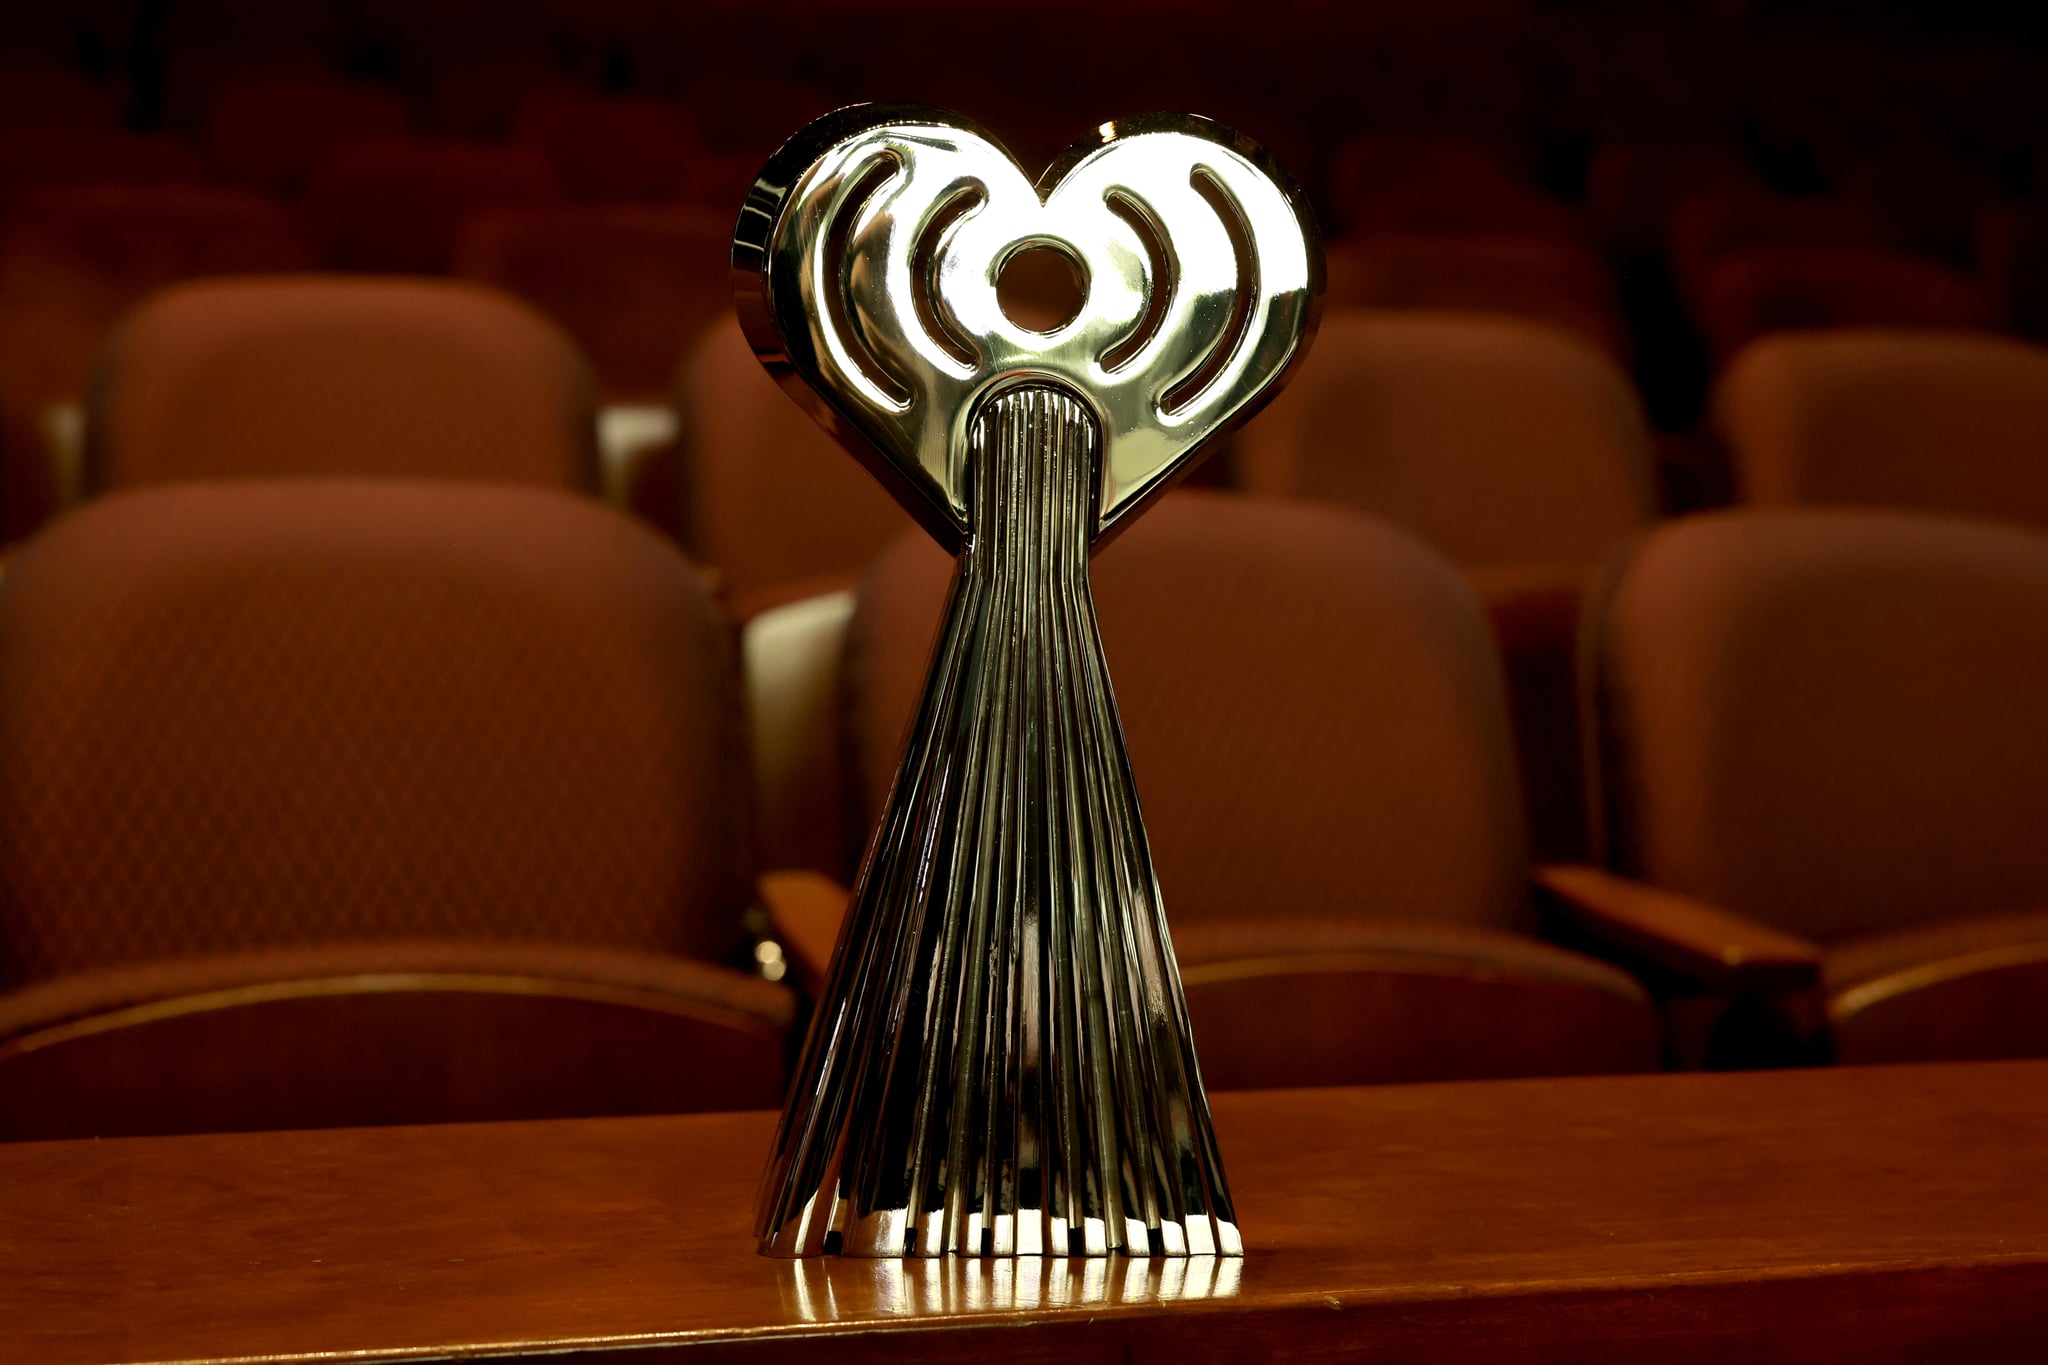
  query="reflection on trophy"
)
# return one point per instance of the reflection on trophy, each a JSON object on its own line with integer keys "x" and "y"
{"x": 1001, "y": 1063}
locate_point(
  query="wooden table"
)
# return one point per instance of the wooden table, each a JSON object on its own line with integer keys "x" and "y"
{"x": 1880, "y": 1214}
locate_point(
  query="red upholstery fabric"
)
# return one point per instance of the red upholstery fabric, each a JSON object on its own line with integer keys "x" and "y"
{"x": 1504, "y": 444}
{"x": 1312, "y": 704}
{"x": 2012, "y": 252}
{"x": 771, "y": 500}
{"x": 395, "y": 1032}
{"x": 606, "y": 149}
{"x": 1562, "y": 285}
{"x": 73, "y": 259}
{"x": 1940, "y": 421}
{"x": 1710, "y": 224}
{"x": 325, "y": 375}
{"x": 288, "y": 713}
{"x": 1274, "y": 1004}
{"x": 1829, "y": 721}
{"x": 634, "y": 285}
{"x": 1747, "y": 294}
{"x": 269, "y": 133}
{"x": 1634, "y": 186}
{"x": 51, "y": 95}
{"x": 1315, "y": 719}
{"x": 399, "y": 204}
{"x": 32, "y": 156}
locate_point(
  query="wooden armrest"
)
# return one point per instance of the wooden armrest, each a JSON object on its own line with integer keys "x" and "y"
{"x": 805, "y": 910}
{"x": 1704, "y": 945}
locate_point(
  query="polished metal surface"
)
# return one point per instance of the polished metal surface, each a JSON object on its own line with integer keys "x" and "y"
{"x": 868, "y": 254}
{"x": 1000, "y": 1063}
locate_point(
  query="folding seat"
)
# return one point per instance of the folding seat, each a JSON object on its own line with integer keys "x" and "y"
{"x": 33, "y": 157}
{"x": 340, "y": 802}
{"x": 1633, "y": 186}
{"x": 1711, "y": 224}
{"x": 269, "y": 133}
{"x": 1563, "y": 285}
{"x": 616, "y": 148}
{"x": 1936, "y": 421}
{"x": 770, "y": 501}
{"x": 1507, "y": 445}
{"x": 1748, "y": 294}
{"x": 1819, "y": 748}
{"x": 1515, "y": 449}
{"x": 1315, "y": 718}
{"x": 634, "y": 285}
{"x": 299, "y": 375}
{"x": 471, "y": 95}
{"x": 399, "y": 204}
{"x": 1453, "y": 208}
{"x": 53, "y": 94}
{"x": 2012, "y": 256}
{"x": 73, "y": 260}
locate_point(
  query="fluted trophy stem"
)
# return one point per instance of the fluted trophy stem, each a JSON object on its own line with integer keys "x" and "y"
{"x": 1000, "y": 1063}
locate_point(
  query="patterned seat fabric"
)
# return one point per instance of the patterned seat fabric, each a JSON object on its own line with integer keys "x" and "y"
{"x": 322, "y": 375}
{"x": 1830, "y": 721}
{"x": 271, "y": 714}
{"x": 1315, "y": 717}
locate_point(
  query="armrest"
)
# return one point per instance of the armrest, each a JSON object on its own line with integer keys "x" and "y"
{"x": 1699, "y": 943}
{"x": 805, "y": 910}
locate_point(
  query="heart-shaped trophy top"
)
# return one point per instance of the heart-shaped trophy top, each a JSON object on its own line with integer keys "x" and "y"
{"x": 866, "y": 262}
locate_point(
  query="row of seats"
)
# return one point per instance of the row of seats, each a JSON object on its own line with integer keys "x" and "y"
{"x": 353, "y": 800}
{"x": 1507, "y": 444}
{"x": 1517, "y": 452}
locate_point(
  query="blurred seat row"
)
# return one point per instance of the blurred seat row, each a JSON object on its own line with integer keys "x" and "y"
{"x": 356, "y": 766}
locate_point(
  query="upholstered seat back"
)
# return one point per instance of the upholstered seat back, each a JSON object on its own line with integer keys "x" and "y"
{"x": 1312, "y": 704}
{"x": 325, "y": 375}
{"x": 1835, "y": 722}
{"x": 270, "y": 714}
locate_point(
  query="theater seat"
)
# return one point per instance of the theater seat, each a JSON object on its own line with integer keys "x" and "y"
{"x": 635, "y": 285}
{"x": 1505, "y": 444}
{"x": 1938, "y": 421}
{"x": 1748, "y": 294}
{"x": 335, "y": 375}
{"x": 73, "y": 260}
{"x": 770, "y": 501}
{"x": 1559, "y": 284}
{"x": 1515, "y": 449}
{"x": 268, "y": 133}
{"x": 611, "y": 149}
{"x": 1819, "y": 737}
{"x": 398, "y": 204}
{"x": 1713, "y": 223}
{"x": 2012, "y": 254}
{"x": 1316, "y": 720}
{"x": 35, "y": 156}
{"x": 348, "y": 801}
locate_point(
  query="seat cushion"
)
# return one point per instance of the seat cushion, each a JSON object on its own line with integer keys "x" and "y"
{"x": 1958, "y": 988}
{"x": 1323, "y": 1000}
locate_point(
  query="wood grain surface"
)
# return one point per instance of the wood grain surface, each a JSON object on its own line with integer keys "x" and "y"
{"x": 1873, "y": 1214}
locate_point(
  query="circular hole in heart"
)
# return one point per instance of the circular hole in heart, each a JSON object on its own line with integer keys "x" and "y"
{"x": 1040, "y": 288}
